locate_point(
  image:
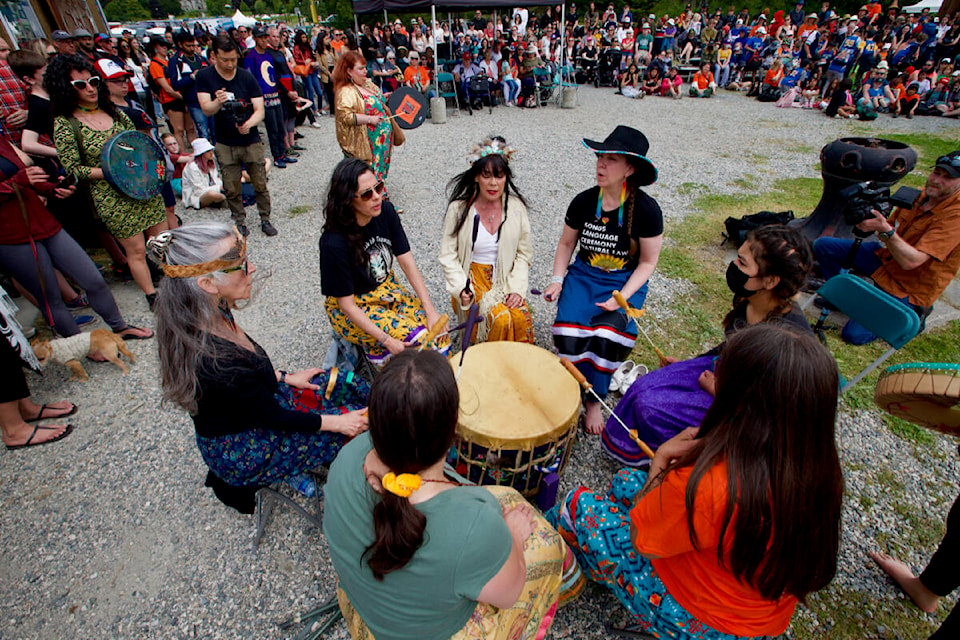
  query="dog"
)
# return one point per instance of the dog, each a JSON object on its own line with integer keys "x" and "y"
{"x": 70, "y": 351}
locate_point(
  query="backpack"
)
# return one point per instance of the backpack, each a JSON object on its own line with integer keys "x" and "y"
{"x": 737, "y": 228}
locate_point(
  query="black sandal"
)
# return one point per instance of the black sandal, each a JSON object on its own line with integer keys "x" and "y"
{"x": 31, "y": 443}
{"x": 73, "y": 409}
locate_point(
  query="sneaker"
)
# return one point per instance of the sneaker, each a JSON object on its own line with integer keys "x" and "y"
{"x": 291, "y": 153}
{"x": 316, "y": 125}
{"x": 84, "y": 320}
{"x": 268, "y": 228}
{"x": 242, "y": 228}
{"x": 297, "y": 135}
{"x": 289, "y": 159}
{"x": 297, "y": 147}
{"x": 80, "y": 302}
{"x": 279, "y": 163}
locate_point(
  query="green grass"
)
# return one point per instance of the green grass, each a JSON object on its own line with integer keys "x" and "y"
{"x": 299, "y": 210}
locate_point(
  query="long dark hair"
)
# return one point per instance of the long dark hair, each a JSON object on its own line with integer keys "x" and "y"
{"x": 63, "y": 97}
{"x": 779, "y": 251}
{"x": 772, "y": 423}
{"x": 414, "y": 404}
{"x": 464, "y": 188}
{"x": 302, "y": 42}
{"x": 338, "y": 212}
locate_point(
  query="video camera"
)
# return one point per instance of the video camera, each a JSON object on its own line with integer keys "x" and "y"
{"x": 862, "y": 198}
{"x": 238, "y": 111}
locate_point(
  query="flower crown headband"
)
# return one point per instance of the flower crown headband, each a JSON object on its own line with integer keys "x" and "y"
{"x": 489, "y": 147}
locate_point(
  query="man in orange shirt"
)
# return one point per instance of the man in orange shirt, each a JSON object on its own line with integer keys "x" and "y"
{"x": 703, "y": 85}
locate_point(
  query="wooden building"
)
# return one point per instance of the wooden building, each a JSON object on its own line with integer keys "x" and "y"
{"x": 22, "y": 20}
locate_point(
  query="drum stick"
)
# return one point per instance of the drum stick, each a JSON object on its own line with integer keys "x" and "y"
{"x": 434, "y": 331}
{"x": 634, "y": 314}
{"x": 581, "y": 379}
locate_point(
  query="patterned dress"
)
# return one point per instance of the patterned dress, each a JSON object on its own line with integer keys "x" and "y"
{"x": 380, "y": 135}
{"x": 123, "y": 216}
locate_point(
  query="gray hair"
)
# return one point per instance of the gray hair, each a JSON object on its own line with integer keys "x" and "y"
{"x": 186, "y": 313}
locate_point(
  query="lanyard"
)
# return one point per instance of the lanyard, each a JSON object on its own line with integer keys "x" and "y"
{"x": 623, "y": 198}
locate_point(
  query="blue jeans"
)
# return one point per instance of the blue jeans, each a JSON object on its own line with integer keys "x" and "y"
{"x": 832, "y": 254}
{"x": 311, "y": 86}
{"x": 202, "y": 122}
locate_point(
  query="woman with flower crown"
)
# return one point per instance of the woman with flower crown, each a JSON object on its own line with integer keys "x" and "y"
{"x": 485, "y": 248}
{"x": 418, "y": 555}
{"x": 619, "y": 230}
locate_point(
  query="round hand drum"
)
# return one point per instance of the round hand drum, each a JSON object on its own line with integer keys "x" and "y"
{"x": 518, "y": 415}
{"x": 133, "y": 164}
{"x": 925, "y": 393}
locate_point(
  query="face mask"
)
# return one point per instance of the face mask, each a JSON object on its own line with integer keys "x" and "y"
{"x": 379, "y": 60}
{"x": 737, "y": 280}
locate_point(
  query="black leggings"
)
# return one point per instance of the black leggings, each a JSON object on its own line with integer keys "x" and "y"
{"x": 942, "y": 574}
{"x": 14, "y": 385}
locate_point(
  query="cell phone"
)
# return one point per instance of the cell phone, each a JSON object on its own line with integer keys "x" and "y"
{"x": 66, "y": 181}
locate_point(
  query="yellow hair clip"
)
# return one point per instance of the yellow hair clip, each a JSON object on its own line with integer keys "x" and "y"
{"x": 402, "y": 485}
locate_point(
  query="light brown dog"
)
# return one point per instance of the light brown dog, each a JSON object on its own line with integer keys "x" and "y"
{"x": 70, "y": 351}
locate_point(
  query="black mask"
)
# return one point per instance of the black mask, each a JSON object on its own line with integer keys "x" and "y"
{"x": 737, "y": 280}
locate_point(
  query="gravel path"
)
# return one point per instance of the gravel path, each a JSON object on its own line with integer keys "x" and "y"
{"x": 111, "y": 532}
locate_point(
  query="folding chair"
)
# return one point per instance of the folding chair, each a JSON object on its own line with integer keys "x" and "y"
{"x": 568, "y": 80}
{"x": 882, "y": 314}
{"x": 447, "y": 88}
{"x": 545, "y": 85}
{"x": 268, "y": 497}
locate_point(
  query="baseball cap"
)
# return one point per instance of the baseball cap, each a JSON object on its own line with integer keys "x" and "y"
{"x": 259, "y": 31}
{"x": 100, "y": 37}
{"x": 950, "y": 163}
{"x": 60, "y": 35}
{"x": 110, "y": 70}
{"x": 82, "y": 33}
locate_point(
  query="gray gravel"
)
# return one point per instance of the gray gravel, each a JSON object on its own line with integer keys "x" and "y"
{"x": 111, "y": 533}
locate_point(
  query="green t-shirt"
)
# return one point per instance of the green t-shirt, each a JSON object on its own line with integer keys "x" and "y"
{"x": 466, "y": 543}
{"x": 644, "y": 42}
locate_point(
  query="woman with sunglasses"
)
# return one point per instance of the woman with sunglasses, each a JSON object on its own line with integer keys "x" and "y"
{"x": 85, "y": 119}
{"x": 362, "y": 237}
{"x": 246, "y": 430}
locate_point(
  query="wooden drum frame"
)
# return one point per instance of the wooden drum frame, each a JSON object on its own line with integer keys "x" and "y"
{"x": 924, "y": 393}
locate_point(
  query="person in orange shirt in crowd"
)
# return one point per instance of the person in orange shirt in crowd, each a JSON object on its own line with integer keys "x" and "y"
{"x": 688, "y": 556}
{"x": 810, "y": 24}
{"x": 703, "y": 84}
{"x": 418, "y": 76}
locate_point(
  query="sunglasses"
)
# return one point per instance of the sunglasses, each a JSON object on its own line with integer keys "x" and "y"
{"x": 79, "y": 85}
{"x": 367, "y": 195}
{"x": 245, "y": 267}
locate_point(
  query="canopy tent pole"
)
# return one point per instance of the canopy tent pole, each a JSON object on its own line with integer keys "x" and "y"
{"x": 563, "y": 37}
{"x": 386, "y": 20}
{"x": 436, "y": 47}
{"x": 356, "y": 27}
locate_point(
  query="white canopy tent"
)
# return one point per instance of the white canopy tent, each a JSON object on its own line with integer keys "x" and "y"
{"x": 932, "y": 5}
{"x": 240, "y": 20}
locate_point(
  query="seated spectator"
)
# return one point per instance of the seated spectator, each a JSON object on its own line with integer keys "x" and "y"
{"x": 180, "y": 160}
{"x": 528, "y": 79}
{"x": 511, "y": 85}
{"x": 465, "y": 70}
{"x": 721, "y": 70}
{"x": 929, "y": 104}
{"x": 202, "y": 184}
{"x": 630, "y": 82}
{"x": 951, "y": 108}
{"x": 643, "y": 47}
{"x": 418, "y": 76}
{"x": 652, "y": 80}
{"x": 672, "y": 85}
{"x": 841, "y": 103}
{"x": 907, "y": 104}
{"x": 703, "y": 84}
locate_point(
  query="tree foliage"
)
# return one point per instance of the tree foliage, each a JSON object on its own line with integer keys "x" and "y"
{"x": 125, "y": 10}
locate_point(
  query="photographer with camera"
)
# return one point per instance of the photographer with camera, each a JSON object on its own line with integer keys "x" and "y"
{"x": 232, "y": 96}
{"x": 918, "y": 252}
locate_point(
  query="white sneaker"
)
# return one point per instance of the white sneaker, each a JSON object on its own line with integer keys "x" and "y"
{"x": 631, "y": 376}
{"x": 316, "y": 125}
{"x": 625, "y": 368}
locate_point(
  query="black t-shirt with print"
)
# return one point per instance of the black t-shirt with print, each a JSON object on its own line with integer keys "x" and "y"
{"x": 603, "y": 242}
{"x": 241, "y": 90}
{"x": 383, "y": 238}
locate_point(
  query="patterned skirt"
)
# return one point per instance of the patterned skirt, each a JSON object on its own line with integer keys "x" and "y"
{"x": 532, "y": 615}
{"x": 393, "y": 310}
{"x": 263, "y": 456}
{"x": 500, "y": 322}
{"x": 658, "y": 405}
{"x": 596, "y": 342}
{"x": 597, "y": 528}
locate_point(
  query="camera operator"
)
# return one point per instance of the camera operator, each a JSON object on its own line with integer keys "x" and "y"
{"x": 232, "y": 96}
{"x": 918, "y": 252}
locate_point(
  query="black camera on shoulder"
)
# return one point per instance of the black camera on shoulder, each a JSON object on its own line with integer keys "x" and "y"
{"x": 237, "y": 111}
{"x": 862, "y": 198}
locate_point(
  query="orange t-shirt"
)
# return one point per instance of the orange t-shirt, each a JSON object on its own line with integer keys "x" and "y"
{"x": 703, "y": 80}
{"x": 693, "y": 576}
{"x": 159, "y": 70}
{"x": 410, "y": 74}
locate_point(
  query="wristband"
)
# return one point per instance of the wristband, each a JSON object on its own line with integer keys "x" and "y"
{"x": 556, "y": 280}
{"x": 283, "y": 376}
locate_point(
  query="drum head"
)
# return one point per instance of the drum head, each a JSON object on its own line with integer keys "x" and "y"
{"x": 133, "y": 164}
{"x": 410, "y": 106}
{"x": 927, "y": 394}
{"x": 515, "y": 395}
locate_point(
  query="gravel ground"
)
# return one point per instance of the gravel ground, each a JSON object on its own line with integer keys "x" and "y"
{"x": 111, "y": 533}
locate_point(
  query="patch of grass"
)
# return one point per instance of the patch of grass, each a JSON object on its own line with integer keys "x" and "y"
{"x": 758, "y": 158}
{"x": 686, "y": 188}
{"x": 299, "y": 210}
{"x": 928, "y": 147}
{"x": 799, "y": 147}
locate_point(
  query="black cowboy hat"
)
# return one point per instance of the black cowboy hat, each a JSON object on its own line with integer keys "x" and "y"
{"x": 630, "y": 142}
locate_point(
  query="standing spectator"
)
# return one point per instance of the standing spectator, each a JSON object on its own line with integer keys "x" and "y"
{"x": 13, "y": 99}
{"x": 288, "y": 94}
{"x": 171, "y": 100}
{"x": 64, "y": 42}
{"x": 84, "y": 40}
{"x": 182, "y": 71}
{"x": 327, "y": 60}
{"x": 306, "y": 67}
{"x": 260, "y": 63}
{"x": 234, "y": 99}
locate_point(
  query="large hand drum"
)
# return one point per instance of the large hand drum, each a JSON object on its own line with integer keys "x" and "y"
{"x": 133, "y": 164}
{"x": 518, "y": 415}
{"x": 409, "y": 107}
{"x": 925, "y": 393}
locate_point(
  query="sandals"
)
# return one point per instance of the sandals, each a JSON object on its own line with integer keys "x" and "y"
{"x": 73, "y": 409}
{"x": 131, "y": 332}
{"x": 31, "y": 443}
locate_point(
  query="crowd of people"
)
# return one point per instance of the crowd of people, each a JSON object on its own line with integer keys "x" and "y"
{"x": 686, "y": 554}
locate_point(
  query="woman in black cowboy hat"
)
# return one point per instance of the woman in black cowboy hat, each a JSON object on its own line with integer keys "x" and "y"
{"x": 619, "y": 229}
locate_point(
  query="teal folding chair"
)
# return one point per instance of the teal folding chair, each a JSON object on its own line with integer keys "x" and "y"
{"x": 883, "y": 315}
{"x": 545, "y": 86}
{"x": 447, "y": 88}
